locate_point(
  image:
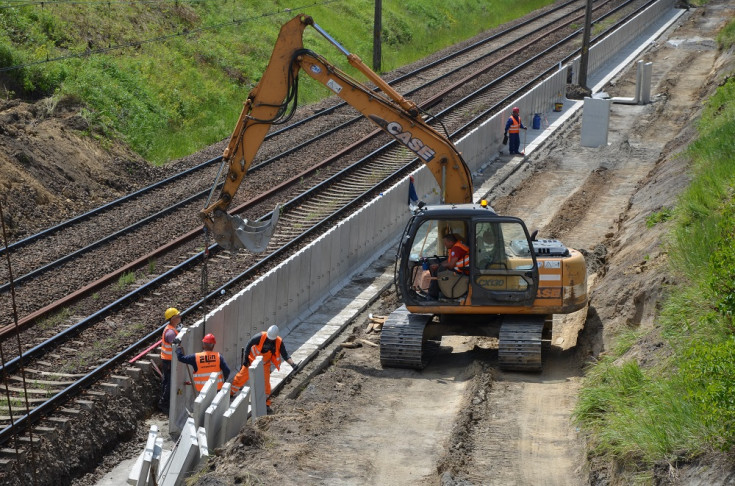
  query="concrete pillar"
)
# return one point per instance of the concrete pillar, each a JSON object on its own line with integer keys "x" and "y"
{"x": 257, "y": 388}
{"x": 213, "y": 415}
{"x": 645, "y": 87}
{"x": 595, "y": 122}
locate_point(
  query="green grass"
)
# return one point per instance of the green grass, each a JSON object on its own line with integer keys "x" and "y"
{"x": 127, "y": 278}
{"x": 684, "y": 405}
{"x": 184, "y": 89}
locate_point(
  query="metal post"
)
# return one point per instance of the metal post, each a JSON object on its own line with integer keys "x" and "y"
{"x": 377, "y": 31}
{"x": 582, "y": 78}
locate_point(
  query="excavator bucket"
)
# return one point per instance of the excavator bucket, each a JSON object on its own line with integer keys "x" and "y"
{"x": 233, "y": 232}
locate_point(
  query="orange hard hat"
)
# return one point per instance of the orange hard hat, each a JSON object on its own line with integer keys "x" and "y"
{"x": 209, "y": 339}
{"x": 516, "y": 109}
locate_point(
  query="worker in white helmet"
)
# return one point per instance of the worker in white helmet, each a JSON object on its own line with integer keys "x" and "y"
{"x": 269, "y": 345}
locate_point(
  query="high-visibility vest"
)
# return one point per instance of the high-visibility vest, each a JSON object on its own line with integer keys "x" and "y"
{"x": 515, "y": 125}
{"x": 166, "y": 348}
{"x": 275, "y": 358}
{"x": 239, "y": 381}
{"x": 463, "y": 264}
{"x": 207, "y": 362}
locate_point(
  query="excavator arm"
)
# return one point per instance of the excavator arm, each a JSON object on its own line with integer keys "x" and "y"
{"x": 268, "y": 102}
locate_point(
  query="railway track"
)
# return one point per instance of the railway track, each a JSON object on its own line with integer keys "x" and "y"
{"x": 58, "y": 363}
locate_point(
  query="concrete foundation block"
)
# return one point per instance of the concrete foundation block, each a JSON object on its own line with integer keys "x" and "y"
{"x": 59, "y": 423}
{"x": 595, "y": 122}
{"x": 122, "y": 381}
{"x": 85, "y": 404}
{"x": 144, "y": 365}
{"x": 44, "y": 431}
{"x": 134, "y": 373}
{"x": 111, "y": 389}
{"x": 72, "y": 412}
{"x": 11, "y": 453}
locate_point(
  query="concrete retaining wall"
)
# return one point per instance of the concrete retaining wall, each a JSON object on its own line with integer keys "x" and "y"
{"x": 292, "y": 291}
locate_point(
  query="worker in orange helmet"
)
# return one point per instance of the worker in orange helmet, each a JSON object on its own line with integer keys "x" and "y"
{"x": 269, "y": 345}
{"x": 205, "y": 363}
{"x": 512, "y": 128}
{"x": 173, "y": 324}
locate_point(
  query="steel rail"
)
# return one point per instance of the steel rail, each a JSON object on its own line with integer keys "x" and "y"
{"x": 90, "y": 377}
{"x": 207, "y": 163}
{"x": 88, "y": 288}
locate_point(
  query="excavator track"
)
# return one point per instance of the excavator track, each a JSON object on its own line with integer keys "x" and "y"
{"x": 519, "y": 343}
{"x": 402, "y": 340}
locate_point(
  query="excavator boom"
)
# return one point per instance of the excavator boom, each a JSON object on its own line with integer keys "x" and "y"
{"x": 268, "y": 102}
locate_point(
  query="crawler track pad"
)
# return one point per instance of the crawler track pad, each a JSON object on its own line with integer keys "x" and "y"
{"x": 519, "y": 344}
{"x": 402, "y": 340}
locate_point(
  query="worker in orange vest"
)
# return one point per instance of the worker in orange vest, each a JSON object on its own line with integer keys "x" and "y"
{"x": 205, "y": 363}
{"x": 458, "y": 256}
{"x": 513, "y": 127}
{"x": 270, "y": 346}
{"x": 173, "y": 322}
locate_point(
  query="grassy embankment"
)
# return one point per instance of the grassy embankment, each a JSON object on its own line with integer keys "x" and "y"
{"x": 184, "y": 89}
{"x": 684, "y": 406}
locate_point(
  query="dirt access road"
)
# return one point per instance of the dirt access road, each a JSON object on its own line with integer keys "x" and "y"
{"x": 462, "y": 421}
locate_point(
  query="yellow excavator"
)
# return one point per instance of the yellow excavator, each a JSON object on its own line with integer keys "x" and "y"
{"x": 508, "y": 284}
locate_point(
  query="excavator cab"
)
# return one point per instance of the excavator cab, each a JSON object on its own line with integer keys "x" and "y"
{"x": 502, "y": 269}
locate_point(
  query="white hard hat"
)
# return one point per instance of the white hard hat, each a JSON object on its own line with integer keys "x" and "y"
{"x": 272, "y": 332}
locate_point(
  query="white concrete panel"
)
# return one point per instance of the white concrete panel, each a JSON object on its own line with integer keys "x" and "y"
{"x": 213, "y": 415}
{"x": 293, "y": 274}
{"x": 145, "y": 466}
{"x": 319, "y": 261}
{"x": 226, "y": 334}
{"x": 204, "y": 400}
{"x": 367, "y": 231}
{"x": 180, "y": 462}
{"x": 304, "y": 294}
{"x": 257, "y": 311}
{"x": 354, "y": 237}
{"x": 336, "y": 270}
{"x": 244, "y": 321}
{"x": 283, "y": 290}
{"x": 235, "y": 416}
{"x": 182, "y": 391}
{"x": 215, "y": 324}
{"x": 156, "y": 462}
{"x": 257, "y": 388}
{"x": 271, "y": 291}
{"x": 135, "y": 470}
{"x": 595, "y": 122}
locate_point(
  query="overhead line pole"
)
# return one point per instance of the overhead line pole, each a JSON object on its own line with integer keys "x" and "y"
{"x": 377, "y": 31}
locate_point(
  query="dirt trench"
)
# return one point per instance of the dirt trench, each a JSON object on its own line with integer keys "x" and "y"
{"x": 461, "y": 421}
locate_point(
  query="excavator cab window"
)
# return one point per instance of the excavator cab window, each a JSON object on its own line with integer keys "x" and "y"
{"x": 428, "y": 251}
{"x": 504, "y": 268}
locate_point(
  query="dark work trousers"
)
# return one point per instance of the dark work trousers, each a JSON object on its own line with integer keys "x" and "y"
{"x": 163, "y": 401}
{"x": 514, "y": 142}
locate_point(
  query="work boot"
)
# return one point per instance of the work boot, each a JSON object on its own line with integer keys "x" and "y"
{"x": 269, "y": 410}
